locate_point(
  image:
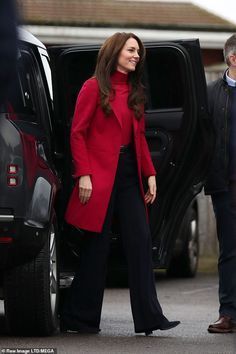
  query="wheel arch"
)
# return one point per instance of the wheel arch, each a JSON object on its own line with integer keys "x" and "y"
{"x": 42, "y": 202}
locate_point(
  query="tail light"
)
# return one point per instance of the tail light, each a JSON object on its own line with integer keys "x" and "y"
{"x": 12, "y": 181}
{"x": 12, "y": 178}
{"x": 6, "y": 239}
{"x": 12, "y": 169}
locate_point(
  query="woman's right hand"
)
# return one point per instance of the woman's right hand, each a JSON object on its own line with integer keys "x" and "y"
{"x": 85, "y": 189}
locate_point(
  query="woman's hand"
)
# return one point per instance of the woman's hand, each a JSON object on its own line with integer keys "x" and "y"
{"x": 85, "y": 189}
{"x": 150, "y": 196}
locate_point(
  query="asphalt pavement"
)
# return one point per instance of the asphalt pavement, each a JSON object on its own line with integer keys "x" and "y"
{"x": 192, "y": 301}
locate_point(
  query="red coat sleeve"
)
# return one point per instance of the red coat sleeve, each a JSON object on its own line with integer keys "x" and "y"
{"x": 85, "y": 108}
{"x": 147, "y": 167}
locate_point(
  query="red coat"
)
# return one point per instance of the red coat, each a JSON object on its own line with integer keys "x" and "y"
{"x": 95, "y": 146}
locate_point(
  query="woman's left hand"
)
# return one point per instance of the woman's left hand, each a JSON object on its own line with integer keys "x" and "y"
{"x": 150, "y": 196}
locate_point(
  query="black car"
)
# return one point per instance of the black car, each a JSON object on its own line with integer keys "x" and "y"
{"x": 38, "y": 250}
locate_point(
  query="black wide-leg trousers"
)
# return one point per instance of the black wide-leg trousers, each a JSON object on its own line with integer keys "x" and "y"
{"x": 224, "y": 204}
{"x": 84, "y": 303}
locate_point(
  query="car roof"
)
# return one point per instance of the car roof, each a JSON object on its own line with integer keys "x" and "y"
{"x": 26, "y": 36}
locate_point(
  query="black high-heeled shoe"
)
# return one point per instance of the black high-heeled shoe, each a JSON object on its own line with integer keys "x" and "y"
{"x": 147, "y": 333}
{"x": 169, "y": 325}
{"x": 82, "y": 329}
{"x": 165, "y": 326}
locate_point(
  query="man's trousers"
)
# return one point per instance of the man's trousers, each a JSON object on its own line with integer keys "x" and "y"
{"x": 224, "y": 204}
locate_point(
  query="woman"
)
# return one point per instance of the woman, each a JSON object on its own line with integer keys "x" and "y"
{"x": 110, "y": 156}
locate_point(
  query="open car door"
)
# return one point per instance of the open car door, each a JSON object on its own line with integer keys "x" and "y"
{"x": 178, "y": 129}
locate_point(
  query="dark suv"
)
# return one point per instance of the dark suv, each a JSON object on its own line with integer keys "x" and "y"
{"x": 35, "y": 178}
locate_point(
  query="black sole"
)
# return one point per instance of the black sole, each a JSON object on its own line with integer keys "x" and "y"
{"x": 164, "y": 327}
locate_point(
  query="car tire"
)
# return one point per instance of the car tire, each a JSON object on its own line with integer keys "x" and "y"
{"x": 31, "y": 292}
{"x": 186, "y": 263}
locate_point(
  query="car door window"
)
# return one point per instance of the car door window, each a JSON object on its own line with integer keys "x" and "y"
{"x": 81, "y": 67}
{"x": 165, "y": 79}
{"x": 22, "y": 100}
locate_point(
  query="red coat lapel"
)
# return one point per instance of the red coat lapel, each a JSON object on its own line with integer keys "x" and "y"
{"x": 116, "y": 111}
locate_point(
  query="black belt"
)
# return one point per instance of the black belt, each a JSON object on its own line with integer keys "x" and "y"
{"x": 125, "y": 148}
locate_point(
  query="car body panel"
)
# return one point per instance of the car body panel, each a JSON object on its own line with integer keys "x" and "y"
{"x": 27, "y": 146}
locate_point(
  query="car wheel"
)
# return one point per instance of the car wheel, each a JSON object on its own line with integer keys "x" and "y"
{"x": 31, "y": 292}
{"x": 186, "y": 263}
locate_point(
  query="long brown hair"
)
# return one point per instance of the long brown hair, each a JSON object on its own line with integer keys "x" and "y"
{"x": 107, "y": 64}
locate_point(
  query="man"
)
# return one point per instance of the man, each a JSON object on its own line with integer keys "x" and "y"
{"x": 221, "y": 185}
{"x": 8, "y": 47}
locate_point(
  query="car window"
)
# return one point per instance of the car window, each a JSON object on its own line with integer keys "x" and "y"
{"x": 164, "y": 79}
{"x": 80, "y": 67}
{"x": 21, "y": 103}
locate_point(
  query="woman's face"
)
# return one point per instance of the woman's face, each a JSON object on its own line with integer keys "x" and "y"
{"x": 128, "y": 57}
